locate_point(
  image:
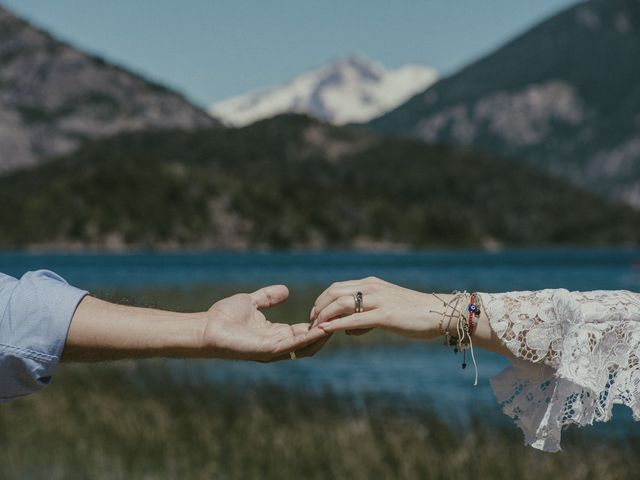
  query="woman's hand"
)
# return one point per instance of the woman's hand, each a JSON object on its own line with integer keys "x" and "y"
{"x": 385, "y": 305}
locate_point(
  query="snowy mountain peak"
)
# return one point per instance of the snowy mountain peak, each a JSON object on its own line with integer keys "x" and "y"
{"x": 355, "y": 64}
{"x": 349, "y": 89}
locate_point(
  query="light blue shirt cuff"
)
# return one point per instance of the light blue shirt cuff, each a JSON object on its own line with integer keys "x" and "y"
{"x": 36, "y": 312}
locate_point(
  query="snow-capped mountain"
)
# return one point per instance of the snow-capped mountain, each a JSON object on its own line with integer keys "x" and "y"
{"x": 352, "y": 89}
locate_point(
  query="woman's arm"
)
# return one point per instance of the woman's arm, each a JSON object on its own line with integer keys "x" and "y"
{"x": 396, "y": 309}
{"x": 578, "y": 353}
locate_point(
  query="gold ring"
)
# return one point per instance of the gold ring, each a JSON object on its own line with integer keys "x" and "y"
{"x": 292, "y": 355}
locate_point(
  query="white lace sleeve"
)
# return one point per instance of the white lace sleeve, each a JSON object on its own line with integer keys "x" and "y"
{"x": 577, "y": 354}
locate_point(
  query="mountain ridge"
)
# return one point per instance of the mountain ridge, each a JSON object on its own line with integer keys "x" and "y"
{"x": 53, "y": 97}
{"x": 562, "y": 96}
{"x": 294, "y": 182}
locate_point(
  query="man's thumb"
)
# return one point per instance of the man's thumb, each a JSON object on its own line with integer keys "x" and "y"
{"x": 269, "y": 296}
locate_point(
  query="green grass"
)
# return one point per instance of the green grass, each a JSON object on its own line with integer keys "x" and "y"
{"x": 134, "y": 421}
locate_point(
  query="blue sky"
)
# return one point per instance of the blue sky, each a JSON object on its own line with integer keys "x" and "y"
{"x": 212, "y": 49}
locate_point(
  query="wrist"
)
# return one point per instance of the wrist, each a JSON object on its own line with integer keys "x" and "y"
{"x": 178, "y": 334}
{"x": 435, "y": 304}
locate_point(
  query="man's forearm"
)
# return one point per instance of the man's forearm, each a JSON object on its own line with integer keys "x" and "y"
{"x": 101, "y": 330}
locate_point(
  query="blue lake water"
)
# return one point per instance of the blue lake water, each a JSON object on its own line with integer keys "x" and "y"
{"x": 413, "y": 375}
{"x": 575, "y": 269}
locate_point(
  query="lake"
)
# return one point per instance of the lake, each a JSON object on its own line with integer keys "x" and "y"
{"x": 575, "y": 269}
{"x": 419, "y": 373}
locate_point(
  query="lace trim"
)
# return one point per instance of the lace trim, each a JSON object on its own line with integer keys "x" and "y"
{"x": 577, "y": 354}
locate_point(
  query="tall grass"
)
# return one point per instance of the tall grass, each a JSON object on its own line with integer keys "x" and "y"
{"x": 133, "y": 421}
{"x": 137, "y": 421}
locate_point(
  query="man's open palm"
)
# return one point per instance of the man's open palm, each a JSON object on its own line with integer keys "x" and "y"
{"x": 236, "y": 328}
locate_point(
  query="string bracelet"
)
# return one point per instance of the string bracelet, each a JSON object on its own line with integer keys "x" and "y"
{"x": 465, "y": 321}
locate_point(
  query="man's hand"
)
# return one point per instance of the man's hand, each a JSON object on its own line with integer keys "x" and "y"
{"x": 232, "y": 328}
{"x": 236, "y": 328}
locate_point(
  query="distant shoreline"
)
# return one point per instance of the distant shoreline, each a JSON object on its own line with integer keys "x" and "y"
{"x": 71, "y": 249}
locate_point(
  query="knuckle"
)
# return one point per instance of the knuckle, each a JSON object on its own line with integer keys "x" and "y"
{"x": 243, "y": 297}
{"x": 269, "y": 297}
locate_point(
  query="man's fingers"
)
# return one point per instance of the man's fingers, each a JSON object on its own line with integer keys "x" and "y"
{"x": 305, "y": 351}
{"x": 312, "y": 348}
{"x": 300, "y": 328}
{"x": 352, "y": 322}
{"x": 299, "y": 340}
{"x": 269, "y": 296}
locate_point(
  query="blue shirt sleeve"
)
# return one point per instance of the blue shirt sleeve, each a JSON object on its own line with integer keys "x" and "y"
{"x": 35, "y": 314}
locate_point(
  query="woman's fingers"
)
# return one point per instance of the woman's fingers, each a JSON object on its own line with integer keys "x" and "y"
{"x": 344, "y": 306}
{"x": 352, "y": 322}
{"x": 337, "y": 291}
{"x": 341, "y": 305}
{"x": 340, "y": 289}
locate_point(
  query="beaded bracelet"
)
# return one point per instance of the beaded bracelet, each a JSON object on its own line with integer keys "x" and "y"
{"x": 474, "y": 313}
